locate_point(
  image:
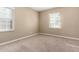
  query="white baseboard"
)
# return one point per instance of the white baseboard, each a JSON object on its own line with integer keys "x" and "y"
{"x": 4, "y": 43}
{"x": 60, "y": 36}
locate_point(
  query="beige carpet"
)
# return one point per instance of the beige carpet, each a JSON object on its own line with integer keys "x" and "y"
{"x": 42, "y": 43}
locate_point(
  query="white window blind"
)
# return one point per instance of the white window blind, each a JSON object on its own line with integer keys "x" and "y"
{"x": 54, "y": 21}
{"x": 6, "y": 19}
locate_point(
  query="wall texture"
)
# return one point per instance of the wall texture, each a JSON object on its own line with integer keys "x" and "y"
{"x": 26, "y": 23}
{"x": 69, "y": 20}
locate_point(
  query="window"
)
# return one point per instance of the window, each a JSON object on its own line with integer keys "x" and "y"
{"x": 54, "y": 20}
{"x": 6, "y": 19}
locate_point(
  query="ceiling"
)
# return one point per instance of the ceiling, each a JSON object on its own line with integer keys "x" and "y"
{"x": 41, "y": 8}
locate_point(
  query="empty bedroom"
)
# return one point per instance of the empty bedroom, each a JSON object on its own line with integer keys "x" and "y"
{"x": 39, "y": 29}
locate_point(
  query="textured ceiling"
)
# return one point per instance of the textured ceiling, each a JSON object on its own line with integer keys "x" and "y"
{"x": 41, "y": 8}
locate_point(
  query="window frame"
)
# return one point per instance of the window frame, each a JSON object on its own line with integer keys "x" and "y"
{"x": 53, "y": 26}
{"x": 13, "y": 19}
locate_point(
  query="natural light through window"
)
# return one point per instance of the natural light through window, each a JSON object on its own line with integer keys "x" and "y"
{"x": 6, "y": 19}
{"x": 55, "y": 20}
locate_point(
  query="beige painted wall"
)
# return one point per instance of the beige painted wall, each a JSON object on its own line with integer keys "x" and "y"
{"x": 26, "y": 23}
{"x": 69, "y": 19}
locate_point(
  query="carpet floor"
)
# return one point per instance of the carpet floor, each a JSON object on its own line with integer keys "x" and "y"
{"x": 42, "y": 43}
